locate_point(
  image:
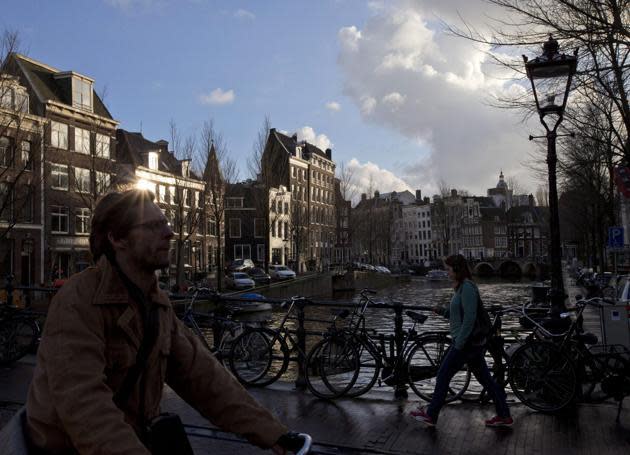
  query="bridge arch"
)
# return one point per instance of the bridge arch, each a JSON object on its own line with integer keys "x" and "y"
{"x": 484, "y": 269}
{"x": 510, "y": 269}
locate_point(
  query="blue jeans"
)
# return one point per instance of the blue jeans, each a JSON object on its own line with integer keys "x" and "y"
{"x": 453, "y": 361}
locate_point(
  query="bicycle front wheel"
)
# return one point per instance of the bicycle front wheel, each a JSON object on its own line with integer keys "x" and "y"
{"x": 17, "y": 338}
{"x": 258, "y": 357}
{"x": 332, "y": 367}
{"x": 542, "y": 376}
{"x": 424, "y": 361}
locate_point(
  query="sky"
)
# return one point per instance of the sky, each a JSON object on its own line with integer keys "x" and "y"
{"x": 400, "y": 102}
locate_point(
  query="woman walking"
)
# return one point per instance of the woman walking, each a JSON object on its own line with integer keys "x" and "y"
{"x": 462, "y": 314}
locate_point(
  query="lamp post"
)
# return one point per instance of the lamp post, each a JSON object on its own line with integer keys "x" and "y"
{"x": 550, "y": 75}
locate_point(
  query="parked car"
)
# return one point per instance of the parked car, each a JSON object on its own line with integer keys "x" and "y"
{"x": 240, "y": 265}
{"x": 281, "y": 272}
{"x": 382, "y": 269}
{"x": 239, "y": 280}
{"x": 259, "y": 276}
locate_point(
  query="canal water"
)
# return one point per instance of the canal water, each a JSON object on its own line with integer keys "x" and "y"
{"x": 418, "y": 291}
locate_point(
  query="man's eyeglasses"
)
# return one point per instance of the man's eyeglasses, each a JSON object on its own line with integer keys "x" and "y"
{"x": 154, "y": 226}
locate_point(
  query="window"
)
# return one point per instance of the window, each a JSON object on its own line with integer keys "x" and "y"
{"x": 153, "y": 160}
{"x": 82, "y": 221}
{"x": 259, "y": 227}
{"x": 170, "y": 197}
{"x": 286, "y": 208}
{"x": 82, "y": 93}
{"x": 6, "y": 202}
{"x": 14, "y": 98}
{"x": 27, "y": 158}
{"x": 82, "y": 180}
{"x": 242, "y": 251}
{"x": 273, "y": 229}
{"x": 59, "y": 220}
{"x": 260, "y": 252}
{"x": 102, "y": 145}
{"x": 234, "y": 202}
{"x": 103, "y": 181}
{"x": 59, "y": 176}
{"x": 235, "y": 228}
{"x": 5, "y": 152}
{"x": 82, "y": 141}
{"x": 161, "y": 193}
{"x": 212, "y": 227}
{"x": 59, "y": 135}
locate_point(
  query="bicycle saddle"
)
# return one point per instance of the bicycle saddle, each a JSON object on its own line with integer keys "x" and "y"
{"x": 417, "y": 317}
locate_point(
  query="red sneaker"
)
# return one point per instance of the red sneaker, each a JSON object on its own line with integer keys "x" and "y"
{"x": 500, "y": 422}
{"x": 421, "y": 416}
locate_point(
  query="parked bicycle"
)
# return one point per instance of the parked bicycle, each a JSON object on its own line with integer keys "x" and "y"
{"x": 224, "y": 329}
{"x": 19, "y": 333}
{"x": 415, "y": 363}
{"x": 549, "y": 375}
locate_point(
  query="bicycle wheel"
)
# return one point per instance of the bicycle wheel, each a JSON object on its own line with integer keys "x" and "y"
{"x": 370, "y": 366}
{"x": 332, "y": 367}
{"x": 497, "y": 361}
{"x": 258, "y": 357}
{"x": 423, "y": 362}
{"x": 17, "y": 337}
{"x": 542, "y": 376}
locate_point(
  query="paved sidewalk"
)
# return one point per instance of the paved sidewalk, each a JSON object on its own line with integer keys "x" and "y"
{"x": 377, "y": 423}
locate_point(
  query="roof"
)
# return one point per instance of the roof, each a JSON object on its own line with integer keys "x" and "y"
{"x": 290, "y": 143}
{"x": 492, "y": 212}
{"x": 41, "y": 77}
{"x": 133, "y": 145}
{"x": 516, "y": 214}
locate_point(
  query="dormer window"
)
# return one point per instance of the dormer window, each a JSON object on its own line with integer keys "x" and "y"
{"x": 82, "y": 93}
{"x": 153, "y": 160}
{"x": 298, "y": 152}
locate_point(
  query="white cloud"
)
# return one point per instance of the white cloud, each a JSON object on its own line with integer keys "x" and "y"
{"x": 306, "y": 133}
{"x": 333, "y": 106}
{"x": 394, "y": 100}
{"x": 405, "y": 73}
{"x": 349, "y": 38}
{"x": 368, "y": 104}
{"x": 368, "y": 177}
{"x": 218, "y": 96}
{"x": 244, "y": 14}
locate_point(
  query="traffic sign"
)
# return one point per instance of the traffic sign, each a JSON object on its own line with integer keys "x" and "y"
{"x": 615, "y": 237}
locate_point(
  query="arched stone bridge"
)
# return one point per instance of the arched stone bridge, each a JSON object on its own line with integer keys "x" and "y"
{"x": 510, "y": 267}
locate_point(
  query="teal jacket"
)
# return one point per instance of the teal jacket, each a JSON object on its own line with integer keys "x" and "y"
{"x": 467, "y": 295}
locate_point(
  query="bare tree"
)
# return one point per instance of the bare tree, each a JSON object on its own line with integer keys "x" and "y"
{"x": 255, "y": 161}
{"x": 219, "y": 171}
{"x": 347, "y": 182}
{"x": 187, "y": 210}
{"x": 20, "y": 157}
{"x": 542, "y": 196}
{"x": 599, "y": 29}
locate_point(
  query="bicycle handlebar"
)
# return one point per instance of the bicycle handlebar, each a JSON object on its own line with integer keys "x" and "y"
{"x": 299, "y": 443}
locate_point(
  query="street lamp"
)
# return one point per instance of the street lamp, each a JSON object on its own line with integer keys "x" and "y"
{"x": 551, "y": 75}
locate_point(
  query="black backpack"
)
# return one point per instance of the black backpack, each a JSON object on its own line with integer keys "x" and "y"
{"x": 483, "y": 325}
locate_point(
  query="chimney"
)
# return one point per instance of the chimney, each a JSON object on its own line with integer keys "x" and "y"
{"x": 394, "y": 196}
{"x": 530, "y": 199}
{"x": 363, "y": 196}
{"x": 377, "y": 194}
{"x": 418, "y": 195}
{"x": 294, "y": 137}
{"x": 329, "y": 154}
{"x": 272, "y": 130}
{"x": 453, "y": 193}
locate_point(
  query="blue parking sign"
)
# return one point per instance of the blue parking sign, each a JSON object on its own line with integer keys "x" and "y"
{"x": 615, "y": 237}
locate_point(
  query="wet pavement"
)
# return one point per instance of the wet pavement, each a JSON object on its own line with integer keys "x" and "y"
{"x": 378, "y": 423}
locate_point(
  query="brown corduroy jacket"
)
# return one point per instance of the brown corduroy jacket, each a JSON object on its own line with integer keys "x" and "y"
{"x": 91, "y": 337}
